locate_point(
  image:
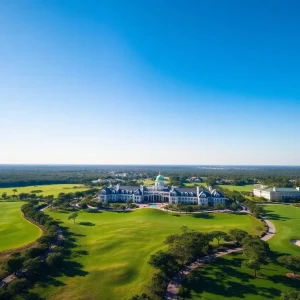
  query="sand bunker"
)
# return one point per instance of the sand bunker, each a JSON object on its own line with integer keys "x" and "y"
{"x": 296, "y": 242}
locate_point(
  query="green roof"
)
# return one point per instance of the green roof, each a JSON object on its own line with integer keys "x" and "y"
{"x": 160, "y": 178}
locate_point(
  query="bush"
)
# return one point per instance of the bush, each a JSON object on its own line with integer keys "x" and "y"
{"x": 54, "y": 259}
{"x": 18, "y": 286}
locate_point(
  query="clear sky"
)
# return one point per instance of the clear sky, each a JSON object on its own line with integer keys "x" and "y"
{"x": 150, "y": 82}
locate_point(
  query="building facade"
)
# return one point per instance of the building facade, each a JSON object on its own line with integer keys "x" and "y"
{"x": 159, "y": 192}
{"x": 276, "y": 193}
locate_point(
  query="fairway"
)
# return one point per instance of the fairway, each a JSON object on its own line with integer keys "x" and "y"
{"x": 15, "y": 231}
{"x": 210, "y": 282}
{"x": 119, "y": 246}
{"x": 239, "y": 188}
{"x": 51, "y": 189}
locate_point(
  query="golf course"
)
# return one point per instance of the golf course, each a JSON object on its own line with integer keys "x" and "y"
{"x": 226, "y": 277}
{"x": 117, "y": 247}
{"x": 46, "y": 190}
{"x": 15, "y": 231}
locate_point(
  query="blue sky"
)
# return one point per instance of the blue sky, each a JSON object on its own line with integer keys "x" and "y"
{"x": 150, "y": 82}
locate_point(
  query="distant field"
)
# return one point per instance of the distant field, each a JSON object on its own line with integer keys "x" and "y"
{"x": 191, "y": 184}
{"x": 243, "y": 188}
{"x": 119, "y": 246}
{"x": 225, "y": 278}
{"x": 15, "y": 231}
{"x": 52, "y": 189}
{"x": 148, "y": 182}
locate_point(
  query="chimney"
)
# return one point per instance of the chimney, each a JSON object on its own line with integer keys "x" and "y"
{"x": 198, "y": 191}
{"x": 210, "y": 188}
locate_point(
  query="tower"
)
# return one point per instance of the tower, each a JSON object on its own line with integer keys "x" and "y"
{"x": 159, "y": 182}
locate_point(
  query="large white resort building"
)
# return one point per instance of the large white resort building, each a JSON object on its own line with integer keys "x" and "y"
{"x": 276, "y": 193}
{"x": 161, "y": 193}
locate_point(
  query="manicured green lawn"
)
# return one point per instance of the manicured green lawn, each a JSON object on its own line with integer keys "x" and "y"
{"x": 242, "y": 188}
{"x": 51, "y": 189}
{"x": 225, "y": 278}
{"x": 15, "y": 231}
{"x": 119, "y": 246}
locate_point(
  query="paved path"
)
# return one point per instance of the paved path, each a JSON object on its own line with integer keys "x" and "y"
{"x": 173, "y": 287}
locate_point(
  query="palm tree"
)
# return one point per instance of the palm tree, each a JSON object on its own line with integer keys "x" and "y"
{"x": 14, "y": 191}
{"x": 73, "y": 216}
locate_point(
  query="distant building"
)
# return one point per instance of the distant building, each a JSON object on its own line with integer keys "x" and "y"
{"x": 276, "y": 193}
{"x": 161, "y": 193}
{"x": 194, "y": 179}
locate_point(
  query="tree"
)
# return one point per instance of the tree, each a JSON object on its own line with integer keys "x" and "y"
{"x": 164, "y": 261}
{"x": 255, "y": 251}
{"x": 14, "y": 191}
{"x": 47, "y": 239}
{"x": 180, "y": 207}
{"x": 4, "y": 195}
{"x": 14, "y": 264}
{"x": 33, "y": 267}
{"x": 18, "y": 286}
{"x": 54, "y": 259}
{"x": 292, "y": 263}
{"x": 73, "y": 216}
{"x": 188, "y": 245}
{"x": 237, "y": 235}
{"x": 49, "y": 200}
{"x": 218, "y": 235}
{"x": 290, "y": 295}
{"x": 188, "y": 209}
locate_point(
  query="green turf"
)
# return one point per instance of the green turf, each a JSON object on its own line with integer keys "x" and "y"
{"x": 225, "y": 278}
{"x": 53, "y": 189}
{"x": 239, "y": 188}
{"x": 15, "y": 231}
{"x": 119, "y": 246}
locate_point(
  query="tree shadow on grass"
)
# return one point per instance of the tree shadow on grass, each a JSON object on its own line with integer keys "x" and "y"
{"x": 203, "y": 216}
{"x": 273, "y": 216}
{"x": 69, "y": 267}
{"x": 31, "y": 296}
{"x": 223, "y": 278}
{"x": 87, "y": 224}
{"x": 81, "y": 252}
{"x": 176, "y": 215}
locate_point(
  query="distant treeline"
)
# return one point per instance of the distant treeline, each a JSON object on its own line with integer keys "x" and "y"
{"x": 24, "y": 175}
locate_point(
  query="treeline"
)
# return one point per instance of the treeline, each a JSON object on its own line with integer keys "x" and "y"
{"x": 14, "y": 175}
{"x": 186, "y": 247}
{"x": 32, "y": 263}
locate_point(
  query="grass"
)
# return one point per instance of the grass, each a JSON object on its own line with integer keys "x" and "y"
{"x": 192, "y": 184}
{"x": 225, "y": 278}
{"x": 148, "y": 181}
{"x": 119, "y": 246}
{"x": 239, "y": 188}
{"x": 53, "y": 189}
{"x": 15, "y": 231}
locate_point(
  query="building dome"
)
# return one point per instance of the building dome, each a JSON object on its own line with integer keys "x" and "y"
{"x": 160, "y": 178}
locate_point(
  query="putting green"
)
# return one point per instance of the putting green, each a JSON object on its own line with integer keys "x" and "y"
{"x": 119, "y": 246}
{"x": 15, "y": 231}
{"x": 225, "y": 278}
